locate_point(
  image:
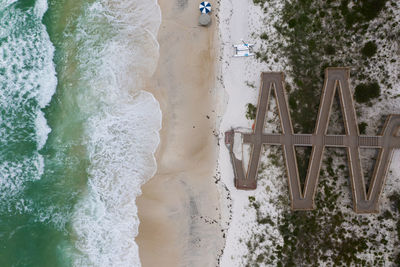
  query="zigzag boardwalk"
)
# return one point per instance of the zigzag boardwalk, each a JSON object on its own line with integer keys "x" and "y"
{"x": 336, "y": 79}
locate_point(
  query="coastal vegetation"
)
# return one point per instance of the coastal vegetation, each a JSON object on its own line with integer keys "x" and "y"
{"x": 302, "y": 158}
{"x": 362, "y": 127}
{"x": 251, "y": 111}
{"x": 369, "y": 49}
{"x": 366, "y": 92}
{"x": 313, "y": 35}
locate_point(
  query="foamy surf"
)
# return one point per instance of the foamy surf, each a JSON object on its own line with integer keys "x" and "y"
{"x": 121, "y": 134}
{"x": 71, "y": 165}
{"x": 121, "y": 153}
{"x": 27, "y": 83}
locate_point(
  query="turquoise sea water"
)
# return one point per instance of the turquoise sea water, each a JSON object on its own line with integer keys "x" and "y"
{"x": 77, "y": 134}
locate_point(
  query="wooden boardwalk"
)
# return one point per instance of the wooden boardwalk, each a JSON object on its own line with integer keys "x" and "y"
{"x": 336, "y": 79}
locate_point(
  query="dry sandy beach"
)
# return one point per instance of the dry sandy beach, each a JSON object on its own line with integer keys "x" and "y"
{"x": 185, "y": 214}
{"x": 179, "y": 208}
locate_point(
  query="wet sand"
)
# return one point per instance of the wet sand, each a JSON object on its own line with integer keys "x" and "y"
{"x": 179, "y": 208}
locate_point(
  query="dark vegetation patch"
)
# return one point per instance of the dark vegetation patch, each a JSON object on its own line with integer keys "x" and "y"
{"x": 251, "y": 111}
{"x": 302, "y": 158}
{"x": 362, "y": 127}
{"x": 395, "y": 202}
{"x": 329, "y": 50}
{"x": 264, "y": 36}
{"x": 369, "y": 49}
{"x": 260, "y": 2}
{"x": 366, "y": 92}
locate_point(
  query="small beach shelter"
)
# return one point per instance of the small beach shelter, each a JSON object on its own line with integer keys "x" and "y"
{"x": 205, "y": 7}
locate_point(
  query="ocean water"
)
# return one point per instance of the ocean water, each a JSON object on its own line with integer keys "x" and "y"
{"x": 77, "y": 131}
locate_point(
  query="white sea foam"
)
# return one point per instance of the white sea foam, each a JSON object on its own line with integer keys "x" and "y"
{"x": 40, "y": 8}
{"x": 6, "y": 3}
{"x": 42, "y": 128}
{"x": 121, "y": 153}
{"x": 27, "y": 83}
{"x": 118, "y": 52}
{"x": 12, "y": 180}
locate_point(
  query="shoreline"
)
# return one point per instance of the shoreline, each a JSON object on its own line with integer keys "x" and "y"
{"x": 179, "y": 209}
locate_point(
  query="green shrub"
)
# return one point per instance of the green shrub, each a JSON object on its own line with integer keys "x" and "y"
{"x": 366, "y": 92}
{"x": 369, "y": 49}
{"x": 251, "y": 111}
{"x": 292, "y": 102}
{"x": 303, "y": 20}
{"x": 344, "y": 10}
{"x": 395, "y": 199}
{"x": 371, "y": 8}
{"x": 259, "y": 2}
{"x": 397, "y": 260}
{"x": 292, "y": 23}
{"x": 264, "y": 36}
{"x": 352, "y": 19}
{"x": 329, "y": 50}
{"x": 362, "y": 127}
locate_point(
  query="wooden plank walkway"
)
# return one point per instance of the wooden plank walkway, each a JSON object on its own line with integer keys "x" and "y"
{"x": 336, "y": 79}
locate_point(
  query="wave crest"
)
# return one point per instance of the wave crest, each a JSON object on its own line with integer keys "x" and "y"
{"x": 118, "y": 53}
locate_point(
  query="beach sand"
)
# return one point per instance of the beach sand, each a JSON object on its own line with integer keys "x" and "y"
{"x": 179, "y": 209}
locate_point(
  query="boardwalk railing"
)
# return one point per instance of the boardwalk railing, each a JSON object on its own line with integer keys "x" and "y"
{"x": 336, "y": 80}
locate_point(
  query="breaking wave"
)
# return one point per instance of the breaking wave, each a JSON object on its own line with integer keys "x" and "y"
{"x": 117, "y": 53}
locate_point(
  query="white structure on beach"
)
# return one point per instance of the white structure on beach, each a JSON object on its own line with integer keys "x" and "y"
{"x": 243, "y": 50}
